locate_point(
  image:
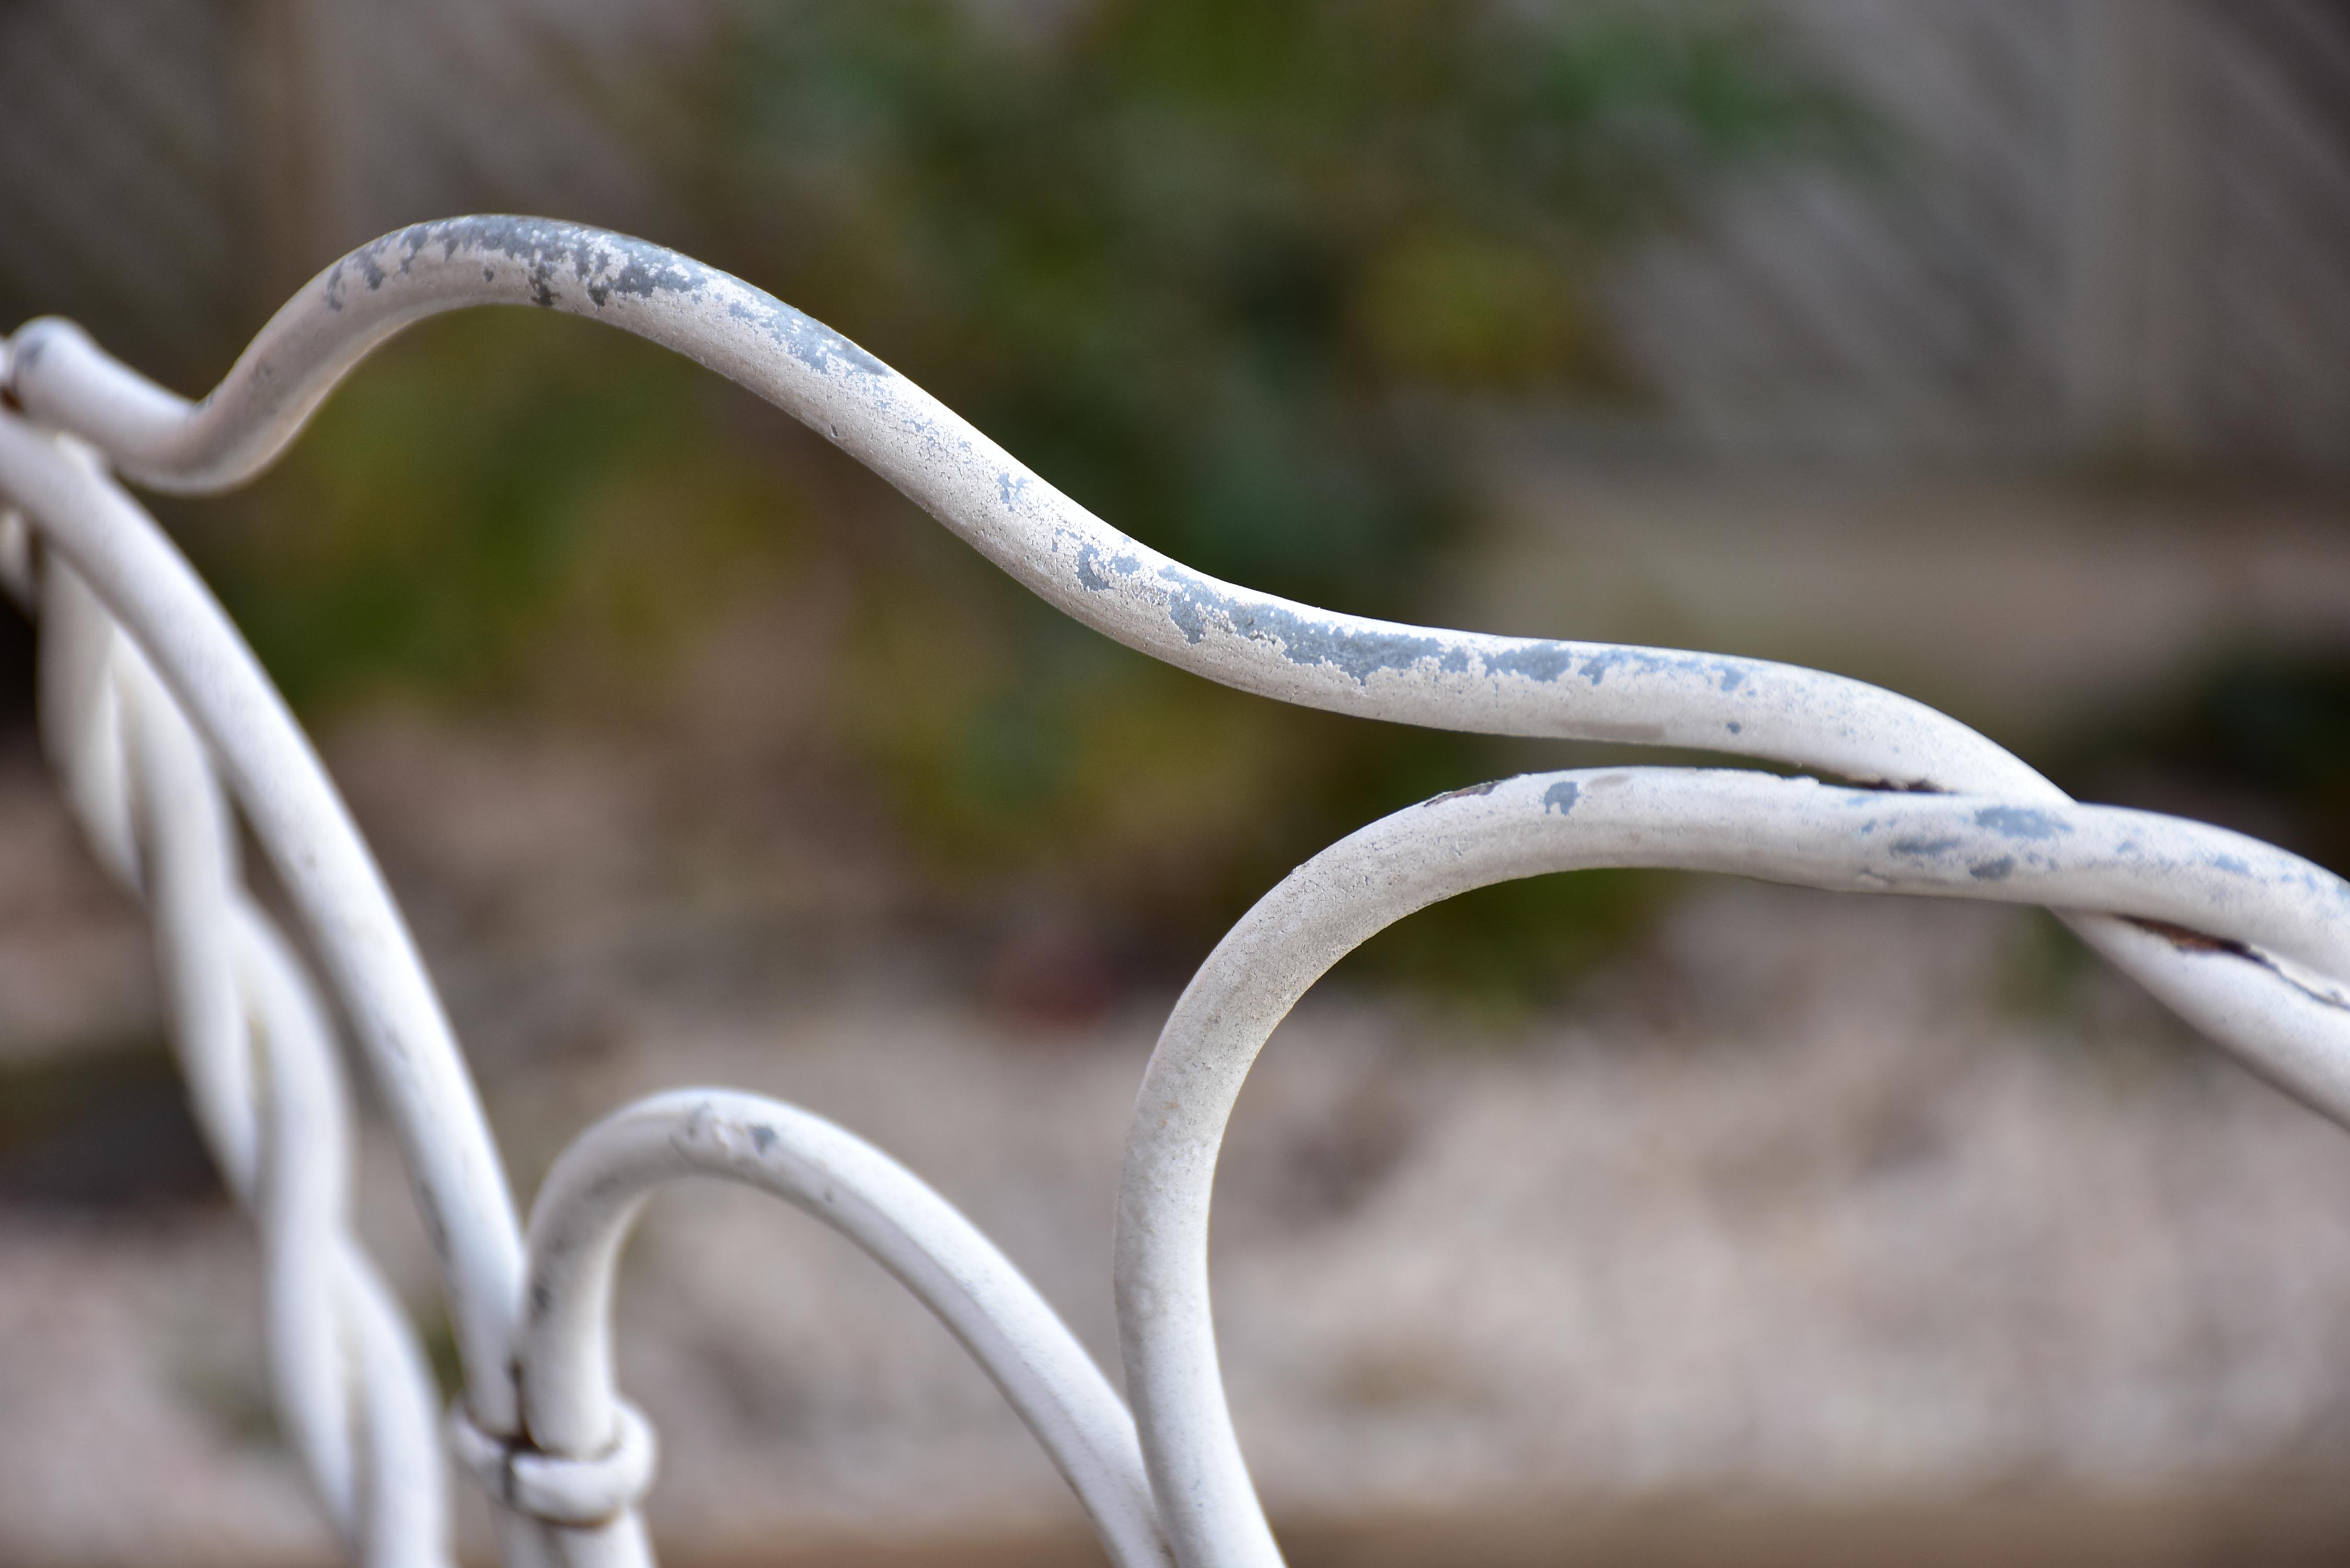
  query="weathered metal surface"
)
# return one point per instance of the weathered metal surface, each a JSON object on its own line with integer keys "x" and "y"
{"x": 146, "y": 688}
{"x": 349, "y": 1382}
{"x": 590, "y": 1198}
{"x": 2243, "y": 897}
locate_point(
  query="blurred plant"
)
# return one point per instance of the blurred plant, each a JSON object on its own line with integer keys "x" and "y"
{"x": 1225, "y": 271}
{"x": 489, "y": 484}
{"x": 2258, "y": 739}
{"x": 1199, "y": 262}
{"x": 1229, "y": 272}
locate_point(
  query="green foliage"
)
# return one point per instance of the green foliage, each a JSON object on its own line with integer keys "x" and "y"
{"x": 1201, "y": 261}
{"x": 488, "y": 487}
{"x": 2258, "y": 739}
{"x": 1225, "y": 271}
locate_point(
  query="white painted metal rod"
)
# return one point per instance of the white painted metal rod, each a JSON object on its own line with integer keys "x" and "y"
{"x": 2184, "y": 877}
{"x": 399, "y": 1504}
{"x": 1440, "y": 679}
{"x": 148, "y": 587}
{"x": 351, "y": 1389}
{"x": 591, "y": 1196}
{"x": 1259, "y": 643}
{"x": 2244, "y": 942}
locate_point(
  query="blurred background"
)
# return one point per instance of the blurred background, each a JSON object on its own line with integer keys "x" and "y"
{"x": 1996, "y": 350}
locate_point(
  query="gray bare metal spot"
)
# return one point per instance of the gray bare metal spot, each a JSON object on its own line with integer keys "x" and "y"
{"x": 1992, "y": 870}
{"x": 2021, "y": 822}
{"x": 1487, "y": 788}
{"x": 804, "y": 337}
{"x": 1596, "y": 668}
{"x": 1923, "y": 848}
{"x": 1560, "y": 797}
{"x": 1543, "y": 661}
{"x": 763, "y": 1136}
{"x": 2232, "y": 863}
{"x": 1727, "y": 675}
{"x": 1193, "y": 601}
{"x": 603, "y": 264}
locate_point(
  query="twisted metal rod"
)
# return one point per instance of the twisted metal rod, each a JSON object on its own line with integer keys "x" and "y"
{"x": 155, "y": 598}
{"x": 349, "y": 1382}
{"x": 2242, "y": 942}
{"x": 568, "y": 1483}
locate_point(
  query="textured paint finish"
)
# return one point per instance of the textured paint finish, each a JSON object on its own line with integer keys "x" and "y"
{"x": 151, "y": 704}
{"x": 353, "y": 1395}
{"x": 591, "y": 1198}
{"x": 2175, "y": 876}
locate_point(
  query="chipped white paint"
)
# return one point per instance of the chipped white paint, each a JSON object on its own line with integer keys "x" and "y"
{"x": 591, "y": 1196}
{"x": 1742, "y": 823}
{"x": 351, "y": 1388}
{"x": 139, "y": 662}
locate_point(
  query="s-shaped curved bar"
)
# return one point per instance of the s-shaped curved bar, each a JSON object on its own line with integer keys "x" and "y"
{"x": 1274, "y": 647}
{"x": 2295, "y": 1032}
{"x": 591, "y": 1198}
{"x": 2253, "y": 897}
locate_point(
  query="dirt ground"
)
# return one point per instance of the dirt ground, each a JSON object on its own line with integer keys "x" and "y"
{"x": 1816, "y": 1231}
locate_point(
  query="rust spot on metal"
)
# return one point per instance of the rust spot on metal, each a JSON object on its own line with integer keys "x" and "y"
{"x": 2193, "y": 941}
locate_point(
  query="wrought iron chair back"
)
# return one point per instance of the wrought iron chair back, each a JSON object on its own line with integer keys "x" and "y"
{"x": 163, "y": 729}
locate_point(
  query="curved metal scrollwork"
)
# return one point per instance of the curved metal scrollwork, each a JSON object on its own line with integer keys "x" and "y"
{"x": 150, "y": 700}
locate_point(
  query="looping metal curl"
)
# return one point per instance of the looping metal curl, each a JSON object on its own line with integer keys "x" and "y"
{"x": 146, "y": 688}
{"x": 2266, "y": 913}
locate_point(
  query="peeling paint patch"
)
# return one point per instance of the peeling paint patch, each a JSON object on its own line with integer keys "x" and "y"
{"x": 1596, "y": 668}
{"x": 1560, "y": 797}
{"x": 604, "y": 266}
{"x": 1543, "y": 662}
{"x": 2231, "y": 864}
{"x": 1992, "y": 870}
{"x": 804, "y": 337}
{"x": 2021, "y": 822}
{"x": 1546, "y": 662}
{"x": 1486, "y": 788}
{"x": 1193, "y": 601}
{"x": 1923, "y": 848}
